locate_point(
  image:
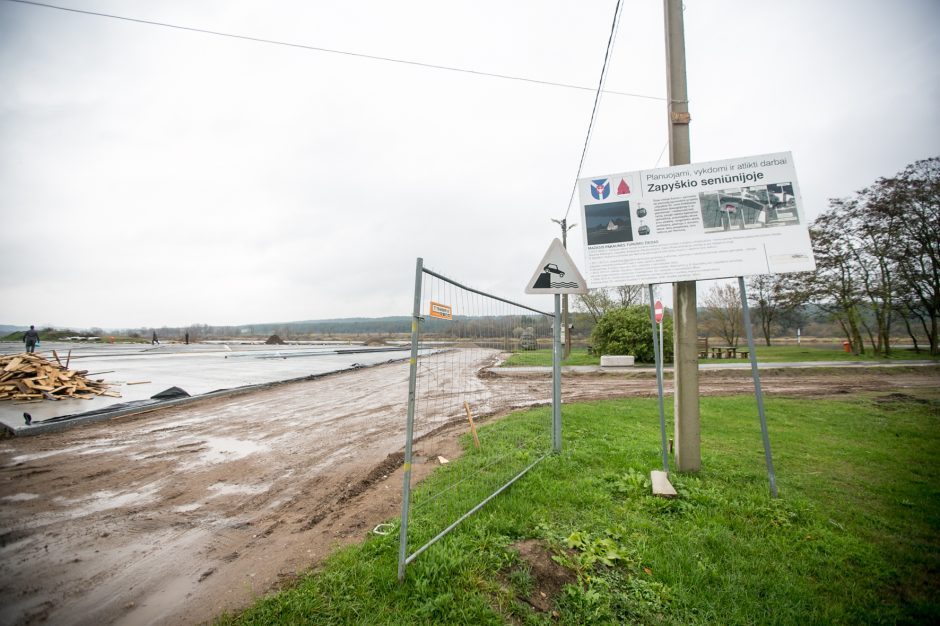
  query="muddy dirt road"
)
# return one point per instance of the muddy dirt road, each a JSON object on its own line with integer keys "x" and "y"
{"x": 174, "y": 516}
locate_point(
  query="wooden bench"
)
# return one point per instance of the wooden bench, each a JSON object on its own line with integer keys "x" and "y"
{"x": 702, "y": 347}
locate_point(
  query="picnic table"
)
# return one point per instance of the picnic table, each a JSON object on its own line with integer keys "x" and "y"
{"x": 728, "y": 352}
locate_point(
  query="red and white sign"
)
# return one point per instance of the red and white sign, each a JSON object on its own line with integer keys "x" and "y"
{"x": 658, "y": 311}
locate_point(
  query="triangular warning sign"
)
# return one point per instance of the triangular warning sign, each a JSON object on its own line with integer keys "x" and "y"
{"x": 557, "y": 273}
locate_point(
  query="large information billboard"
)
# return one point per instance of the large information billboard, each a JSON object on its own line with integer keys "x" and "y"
{"x": 720, "y": 219}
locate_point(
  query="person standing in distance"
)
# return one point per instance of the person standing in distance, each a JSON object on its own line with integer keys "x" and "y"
{"x": 31, "y": 337}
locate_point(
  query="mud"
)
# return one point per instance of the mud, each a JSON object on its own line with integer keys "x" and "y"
{"x": 177, "y": 515}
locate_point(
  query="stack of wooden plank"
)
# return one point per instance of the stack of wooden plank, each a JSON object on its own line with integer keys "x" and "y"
{"x": 30, "y": 377}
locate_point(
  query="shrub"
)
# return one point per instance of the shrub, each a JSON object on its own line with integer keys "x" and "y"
{"x": 627, "y": 331}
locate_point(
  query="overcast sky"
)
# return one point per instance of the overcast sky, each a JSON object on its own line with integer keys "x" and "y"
{"x": 152, "y": 176}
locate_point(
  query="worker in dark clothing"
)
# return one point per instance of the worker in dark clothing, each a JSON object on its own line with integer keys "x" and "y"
{"x": 31, "y": 337}
{"x": 154, "y": 341}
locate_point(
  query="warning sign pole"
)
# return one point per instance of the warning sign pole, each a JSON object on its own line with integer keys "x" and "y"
{"x": 556, "y": 274}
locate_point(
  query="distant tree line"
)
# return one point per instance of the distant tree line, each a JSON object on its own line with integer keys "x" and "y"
{"x": 877, "y": 270}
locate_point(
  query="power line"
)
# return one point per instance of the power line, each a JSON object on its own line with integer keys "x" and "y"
{"x": 330, "y": 50}
{"x": 661, "y": 153}
{"x": 597, "y": 100}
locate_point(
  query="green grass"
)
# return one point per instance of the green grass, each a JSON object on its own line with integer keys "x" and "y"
{"x": 853, "y": 538}
{"x": 543, "y": 357}
{"x": 810, "y": 352}
{"x": 765, "y": 354}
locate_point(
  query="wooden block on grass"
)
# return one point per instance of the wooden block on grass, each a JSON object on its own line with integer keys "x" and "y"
{"x": 661, "y": 485}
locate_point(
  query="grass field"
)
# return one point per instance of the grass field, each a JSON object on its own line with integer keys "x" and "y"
{"x": 765, "y": 354}
{"x": 531, "y": 358}
{"x": 853, "y": 538}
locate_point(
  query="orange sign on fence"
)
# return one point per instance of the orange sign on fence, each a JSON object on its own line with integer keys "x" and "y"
{"x": 441, "y": 311}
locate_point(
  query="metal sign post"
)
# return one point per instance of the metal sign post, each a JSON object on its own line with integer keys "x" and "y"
{"x": 757, "y": 390}
{"x": 659, "y": 378}
{"x": 556, "y": 274}
{"x": 659, "y": 320}
{"x": 556, "y": 377}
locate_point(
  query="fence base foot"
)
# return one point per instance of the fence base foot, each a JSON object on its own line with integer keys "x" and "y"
{"x": 661, "y": 485}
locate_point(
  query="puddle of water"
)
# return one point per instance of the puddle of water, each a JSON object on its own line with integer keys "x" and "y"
{"x": 21, "y": 497}
{"x": 100, "y": 449}
{"x": 224, "y": 489}
{"x": 104, "y": 500}
{"x": 225, "y": 449}
{"x": 14, "y": 546}
{"x": 23, "y": 458}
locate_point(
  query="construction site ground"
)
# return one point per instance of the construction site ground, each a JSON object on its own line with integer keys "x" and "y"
{"x": 135, "y": 372}
{"x": 179, "y": 514}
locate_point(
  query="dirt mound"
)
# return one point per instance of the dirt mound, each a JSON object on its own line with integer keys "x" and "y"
{"x": 548, "y": 577}
{"x": 895, "y": 398}
{"x": 274, "y": 340}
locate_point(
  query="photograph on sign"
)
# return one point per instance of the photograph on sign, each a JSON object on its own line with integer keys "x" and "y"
{"x": 608, "y": 223}
{"x": 720, "y": 219}
{"x": 441, "y": 311}
{"x": 740, "y": 208}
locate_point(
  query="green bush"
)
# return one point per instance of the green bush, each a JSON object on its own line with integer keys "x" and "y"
{"x": 627, "y": 331}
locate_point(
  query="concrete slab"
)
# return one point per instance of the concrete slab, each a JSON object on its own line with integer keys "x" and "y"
{"x": 617, "y": 360}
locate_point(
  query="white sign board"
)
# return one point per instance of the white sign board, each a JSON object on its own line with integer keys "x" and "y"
{"x": 736, "y": 217}
{"x": 556, "y": 273}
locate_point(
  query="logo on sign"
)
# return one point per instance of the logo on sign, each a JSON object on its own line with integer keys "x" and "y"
{"x": 623, "y": 188}
{"x": 441, "y": 311}
{"x": 600, "y": 189}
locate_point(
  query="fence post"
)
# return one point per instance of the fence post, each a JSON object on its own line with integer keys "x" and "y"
{"x": 409, "y": 428}
{"x": 757, "y": 390}
{"x": 556, "y": 377}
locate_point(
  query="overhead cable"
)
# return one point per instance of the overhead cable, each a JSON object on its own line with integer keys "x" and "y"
{"x": 360, "y": 55}
{"x": 597, "y": 101}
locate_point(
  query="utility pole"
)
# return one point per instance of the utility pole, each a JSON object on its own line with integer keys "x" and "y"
{"x": 688, "y": 429}
{"x": 564, "y": 297}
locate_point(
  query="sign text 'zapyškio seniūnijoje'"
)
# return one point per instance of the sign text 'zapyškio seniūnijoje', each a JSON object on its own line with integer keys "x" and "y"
{"x": 736, "y": 217}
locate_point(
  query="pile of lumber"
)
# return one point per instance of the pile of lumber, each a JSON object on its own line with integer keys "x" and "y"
{"x": 30, "y": 377}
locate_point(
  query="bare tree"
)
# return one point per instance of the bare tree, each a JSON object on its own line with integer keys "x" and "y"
{"x": 869, "y": 235}
{"x": 835, "y": 286}
{"x": 723, "y": 314}
{"x": 912, "y": 201}
{"x": 597, "y": 302}
{"x": 767, "y": 292}
{"x": 628, "y": 295}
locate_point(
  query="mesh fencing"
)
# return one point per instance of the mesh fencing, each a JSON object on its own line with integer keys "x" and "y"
{"x": 462, "y": 332}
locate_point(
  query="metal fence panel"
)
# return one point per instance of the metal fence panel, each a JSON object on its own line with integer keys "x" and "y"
{"x": 458, "y": 332}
